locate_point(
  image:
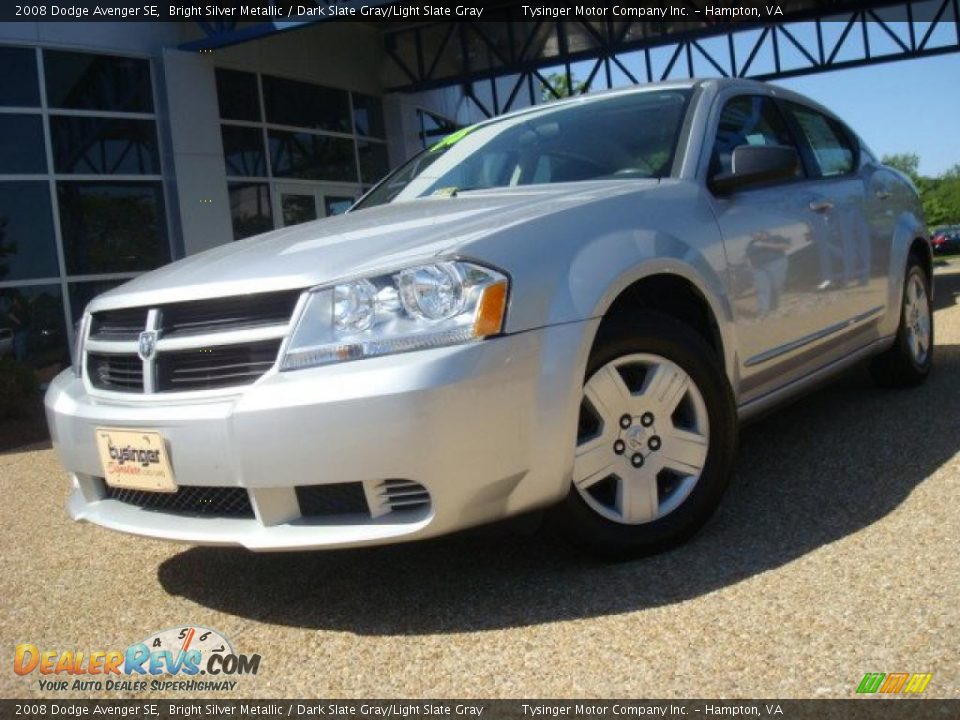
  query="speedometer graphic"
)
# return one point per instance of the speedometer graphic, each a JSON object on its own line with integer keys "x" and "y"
{"x": 189, "y": 637}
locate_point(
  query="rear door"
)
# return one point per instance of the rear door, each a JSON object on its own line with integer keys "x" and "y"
{"x": 854, "y": 201}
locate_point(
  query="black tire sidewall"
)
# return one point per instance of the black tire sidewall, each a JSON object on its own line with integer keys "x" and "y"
{"x": 662, "y": 335}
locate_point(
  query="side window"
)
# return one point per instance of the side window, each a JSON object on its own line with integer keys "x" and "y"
{"x": 832, "y": 148}
{"x": 748, "y": 120}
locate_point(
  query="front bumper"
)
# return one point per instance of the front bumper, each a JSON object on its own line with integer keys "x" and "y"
{"x": 488, "y": 429}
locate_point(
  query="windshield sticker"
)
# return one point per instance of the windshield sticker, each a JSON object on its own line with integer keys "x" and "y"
{"x": 453, "y": 138}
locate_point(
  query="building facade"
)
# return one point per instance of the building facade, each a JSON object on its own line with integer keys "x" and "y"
{"x": 119, "y": 153}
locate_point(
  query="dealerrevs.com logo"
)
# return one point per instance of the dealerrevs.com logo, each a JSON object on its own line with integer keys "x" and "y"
{"x": 188, "y": 658}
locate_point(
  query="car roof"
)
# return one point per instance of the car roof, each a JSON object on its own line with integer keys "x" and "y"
{"x": 717, "y": 84}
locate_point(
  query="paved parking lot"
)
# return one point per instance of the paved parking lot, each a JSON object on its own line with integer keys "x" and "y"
{"x": 834, "y": 554}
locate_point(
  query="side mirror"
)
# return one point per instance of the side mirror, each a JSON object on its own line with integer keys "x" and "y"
{"x": 753, "y": 164}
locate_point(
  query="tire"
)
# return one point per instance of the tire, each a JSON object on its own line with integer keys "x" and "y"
{"x": 908, "y": 362}
{"x": 653, "y": 507}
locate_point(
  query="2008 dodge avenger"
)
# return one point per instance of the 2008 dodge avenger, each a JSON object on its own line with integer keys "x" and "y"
{"x": 570, "y": 307}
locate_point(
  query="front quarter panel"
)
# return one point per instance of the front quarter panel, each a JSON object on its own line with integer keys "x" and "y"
{"x": 572, "y": 264}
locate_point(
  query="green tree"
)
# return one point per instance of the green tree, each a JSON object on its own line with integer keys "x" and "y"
{"x": 940, "y": 195}
{"x": 559, "y": 85}
{"x": 907, "y": 163}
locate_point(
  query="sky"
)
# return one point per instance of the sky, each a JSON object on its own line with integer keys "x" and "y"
{"x": 897, "y": 107}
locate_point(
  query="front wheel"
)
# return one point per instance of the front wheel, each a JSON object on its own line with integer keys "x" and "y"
{"x": 655, "y": 443}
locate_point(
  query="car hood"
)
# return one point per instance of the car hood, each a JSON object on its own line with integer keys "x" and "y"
{"x": 380, "y": 238}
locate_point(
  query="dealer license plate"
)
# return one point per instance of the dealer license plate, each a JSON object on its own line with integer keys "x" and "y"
{"x": 135, "y": 460}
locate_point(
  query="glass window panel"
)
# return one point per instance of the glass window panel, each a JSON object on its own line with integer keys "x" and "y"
{"x": 112, "y": 226}
{"x": 83, "y": 81}
{"x": 250, "y": 209}
{"x": 337, "y": 205}
{"x": 368, "y": 116}
{"x": 298, "y": 208}
{"x": 19, "y": 86}
{"x": 28, "y": 247}
{"x": 237, "y": 95}
{"x": 81, "y": 293}
{"x": 312, "y": 157}
{"x": 243, "y": 150}
{"x": 37, "y": 335}
{"x": 374, "y": 163}
{"x": 21, "y": 144}
{"x": 832, "y": 149}
{"x": 104, "y": 146}
{"x": 288, "y": 102}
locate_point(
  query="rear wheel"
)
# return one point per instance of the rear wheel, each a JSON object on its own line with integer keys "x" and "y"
{"x": 908, "y": 362}
{"x": 656, "y": 440}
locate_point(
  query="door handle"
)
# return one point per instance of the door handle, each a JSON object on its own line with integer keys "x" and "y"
{"x": 883, "y": 194}
{"x": 821, "y": 206}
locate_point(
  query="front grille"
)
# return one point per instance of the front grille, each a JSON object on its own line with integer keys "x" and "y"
{"x": 192, "y": 350}
{"x": 333, "y": 499}
{"x": 118, "y": 324}
{"x": 230, "y": 502}
{"x": 216, "y": 367}
{"x": 119, "y": 373}
{"x": 244, "y": 312}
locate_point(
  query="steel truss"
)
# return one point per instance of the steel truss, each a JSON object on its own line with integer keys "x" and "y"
{"x": 511, "y": 62}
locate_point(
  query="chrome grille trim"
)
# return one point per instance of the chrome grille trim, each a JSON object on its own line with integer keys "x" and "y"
{"x": 215, "y": 367}
{"x": 236, "y": 349}
{"x": 233, "y": 337}
{"x": 115, "y": 325}
{"x": 227, "y": 314}
{"x": 118, "y": 373}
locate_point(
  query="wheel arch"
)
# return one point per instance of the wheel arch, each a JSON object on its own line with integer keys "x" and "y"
{"x": 921, "y": 249}
{"x": 910, "y": 239}
{"x": 678, "y": 291}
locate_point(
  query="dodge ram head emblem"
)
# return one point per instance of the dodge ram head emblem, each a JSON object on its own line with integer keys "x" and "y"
{"x": 147, "y": 344}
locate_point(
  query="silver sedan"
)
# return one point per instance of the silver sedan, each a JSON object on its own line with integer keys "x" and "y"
{"x": 568, "y": 308}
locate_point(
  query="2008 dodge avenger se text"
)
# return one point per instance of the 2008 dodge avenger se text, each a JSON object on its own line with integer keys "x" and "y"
{"x": 570, "y": 307}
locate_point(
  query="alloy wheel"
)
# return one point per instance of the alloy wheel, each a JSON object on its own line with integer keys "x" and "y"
{"x": 642, "y": 441}
{"x": 916, "y": 313}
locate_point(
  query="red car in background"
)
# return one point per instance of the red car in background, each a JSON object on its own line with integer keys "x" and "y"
{"x": 946, "y": 240}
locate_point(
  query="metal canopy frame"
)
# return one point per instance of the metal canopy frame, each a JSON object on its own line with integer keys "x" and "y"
{"x": 508, "y": 60}
{"x": 499, "y": 65}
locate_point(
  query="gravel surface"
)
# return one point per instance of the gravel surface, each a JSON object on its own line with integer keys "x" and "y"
{"x": 834, "y": 554}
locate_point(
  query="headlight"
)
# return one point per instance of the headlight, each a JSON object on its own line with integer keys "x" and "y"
{"x": 79, "y": 337}
{"x": 426, "y": 306}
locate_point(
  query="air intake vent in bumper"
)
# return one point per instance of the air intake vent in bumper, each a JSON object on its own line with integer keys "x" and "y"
{"x": 334, "y": 499}
{"x": 229, "y": 502}
{"x": 403, "y": 495}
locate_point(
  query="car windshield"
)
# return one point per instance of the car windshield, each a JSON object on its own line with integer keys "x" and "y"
{"x": 629, "y": 136}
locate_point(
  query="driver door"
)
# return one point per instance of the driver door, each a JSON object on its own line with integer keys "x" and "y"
{"x": 774, "y": 238}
